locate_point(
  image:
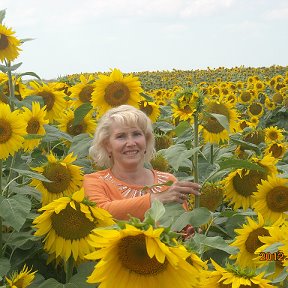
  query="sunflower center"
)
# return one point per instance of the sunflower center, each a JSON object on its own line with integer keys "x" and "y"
{"x": 71, "y": 224}
{"x": 3, "y": 42}
{"x": 245, "y": 96}
{"x": 277, "y": 199}
{"x": 75, "y": 129}
{"x": 116, "y": 94}
{"x": 85, "y": 93}
{"x": 252, "y": 243}
{"x": 146, "y": 109}
{"x": 255, "y": 109}
{"x": 59, "y": 175}
{"x": 273, "y": 135}
{"x": 276, "y": 150}
{"x": 49, "y": 99}
{"x": 246, "y": 183}
{"x": 211, "y": 124}
{"x": 19, "y": 283}
{"x": 5, "y": 131}
{"x": 33, "y": 126}
{"x": 133, "y": 255}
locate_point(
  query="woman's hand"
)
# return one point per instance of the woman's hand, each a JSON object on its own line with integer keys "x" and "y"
{"x": 178, "y": 192}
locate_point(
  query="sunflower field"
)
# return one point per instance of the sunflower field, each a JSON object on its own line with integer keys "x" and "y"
{"x": 223, "y": 128}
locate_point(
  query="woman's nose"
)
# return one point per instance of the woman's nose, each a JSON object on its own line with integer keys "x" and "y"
{"x": 130, "y": 141}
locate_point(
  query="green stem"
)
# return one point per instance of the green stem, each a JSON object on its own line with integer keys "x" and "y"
{"x": 195, "y": 158}
{"x": 11, "y": 86}
{"x": 69, "y": 268}
{"x": 10, "y": 174}
{"x": 1, "y": 167}
{"x": 1, "y": 240}
{"x": 212, "y": 154}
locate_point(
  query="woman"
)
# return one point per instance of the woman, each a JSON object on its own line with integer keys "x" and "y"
{"x": 123, "y": 143}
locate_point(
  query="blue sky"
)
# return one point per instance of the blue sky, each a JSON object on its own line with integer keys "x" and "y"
{"x": 147, "y": 35}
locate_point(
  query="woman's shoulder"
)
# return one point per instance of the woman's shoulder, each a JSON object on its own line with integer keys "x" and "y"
{"x": 97, "y": 175}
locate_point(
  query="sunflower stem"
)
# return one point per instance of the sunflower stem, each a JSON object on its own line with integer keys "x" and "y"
{"x": 195, "y": 158}
{"x": 69, "y": 268}
{"x": 212, "y": 154}
{"x": 1, "y": 167}
{"x": 11, "y": 86}
{"x": 1, "y": 241}
{"x": 10, "y": 174}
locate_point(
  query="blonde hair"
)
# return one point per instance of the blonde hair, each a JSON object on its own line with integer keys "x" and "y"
{"x": 124, "y": 115}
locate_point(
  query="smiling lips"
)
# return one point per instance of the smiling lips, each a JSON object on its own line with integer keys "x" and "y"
{"x": 131, "y": 152}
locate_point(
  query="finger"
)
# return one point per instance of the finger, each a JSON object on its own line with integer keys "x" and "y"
{"x": 188, "y": 190}
{"x": 188, "y": 184}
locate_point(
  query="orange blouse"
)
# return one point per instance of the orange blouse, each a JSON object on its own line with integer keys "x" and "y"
{"x": 119, "y": 198}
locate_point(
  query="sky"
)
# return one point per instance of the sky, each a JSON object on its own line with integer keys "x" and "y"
{"x": 72, "y": 36}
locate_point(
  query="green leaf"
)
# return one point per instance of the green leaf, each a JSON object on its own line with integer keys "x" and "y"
{"x": 31, "y": 174}
{"x": 246, "y": 145}
{"x": 215, "y": 242}
{"x": 181, "y": 128}
{"x": 25, "y": 190}
{"x": 81, "y": 112}
{"x": 281, "y": 277}
{"x": 5, "y": 69}
{"x": 54, "y": 134}
{"x": 20, "y": 238}
{"x": 274, "y": 247}
{"x": 156, "y": 211}
{"x": 2, "y": 15}
{"x": 29, "y": 74}
{"x": 84, "y": 270}
{"x": 222, "y": 119}
{"x": 172, "y": 212}
{"x": 240, "y": 164}
{"x": 80, "y": 145}
{"x": 55, "y": 284}
{"x": 4, "y": 267}
{"x": 196, "y": 218}
{"x": 178, "y": 155}
{"x": 163, "y": 126}
{"x": 14, "y": 210}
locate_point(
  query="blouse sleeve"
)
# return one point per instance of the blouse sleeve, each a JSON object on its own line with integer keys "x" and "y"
{"x": 97, "y": 190}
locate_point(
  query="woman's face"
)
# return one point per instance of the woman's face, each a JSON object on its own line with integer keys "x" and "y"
{"x": 126, "y": 145}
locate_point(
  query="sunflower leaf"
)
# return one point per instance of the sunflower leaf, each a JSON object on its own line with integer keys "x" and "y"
{"x": 29, "y": 74}
{"x": 4, "y": 267}
{"x": 81, "y": 112}
{"x": 156, "y": 211}
{"x": 32, "y": 175}
{"x": 5, "y": 69}
{"x": 14, "y": 210}
{"x": 222, "y": 119}
{"x": 2, "y": 15}
{"x": 240, "y": 164}
{"x": 196, "y": 218}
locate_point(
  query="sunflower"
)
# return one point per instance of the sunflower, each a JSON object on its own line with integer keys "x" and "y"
{"x": 35, "y": 119}
{"x": 234, "y": 277}
{"x": 12, "y": 130}
{"x": 271, "y": 198}
{"x": 150, "y": 109}
{"x": 277, "y": 234}
{"x": 160, "y": 163}
{"x": 137, "y": 258}
{"x": 115, "y": 90}
{"x": 245, "y": 97}
{"x": 240, "y": 184}
{"x": 66, "y": 178}
{"x": 248, "y": 241}
{"x": 87, "y": 124}
{"x": 255, "y": 109}
{"x": 277, "y": 150}
{"x": 82, "y": 92}
{"x": 67, "y": 223}
{"x": 273, "y": 133}
{"x": 53, "y": 99}
{"x": 22, "y": 279}
{"x": 9, "y": 45}
{"x": 211, "y": 196}
{"x": 213, "y": 131}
